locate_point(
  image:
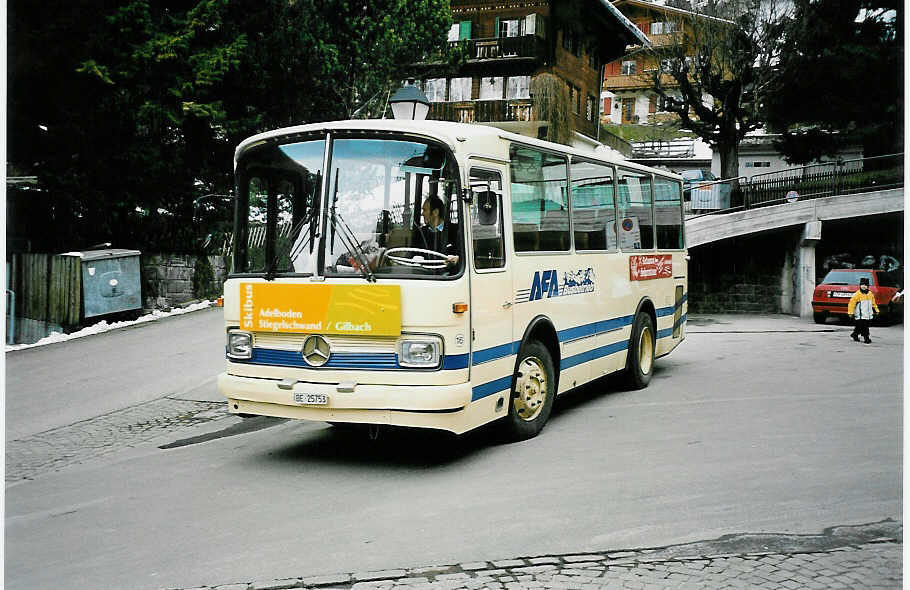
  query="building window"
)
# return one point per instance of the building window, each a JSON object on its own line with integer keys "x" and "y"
{"x": 571, "y": 43}
{"x": 491, "y": 88}
{"x": 663, "y": 28}
{"x": 628, "y": 68}
{"x": 589, "y": 108}
{"x": 758, "y": 164}
{"x": 575, "y": 99}
{"x": 460, "y": 30}
{"x": 460, "y": 89}
{"x": 510, "y": 27}
{"x": 518, "y": 87}
{"x": 435, "y": 89}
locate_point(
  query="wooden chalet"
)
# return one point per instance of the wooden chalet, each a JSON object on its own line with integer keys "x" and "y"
{"x": 509, "y": 44}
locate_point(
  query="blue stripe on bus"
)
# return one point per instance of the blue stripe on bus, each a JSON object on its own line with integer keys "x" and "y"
{"x": 593, "y": 354}
{"x": 343, "y": 360}
{"x": 491, "y": 387}
{"x": 455, "y": 361}
{"x": 495, "y": 352}
{"x": 593, "y": 329}
{"x": 502, "y": 383}
{"x": 569, "y": 334}
{"x": 389, "y": 360}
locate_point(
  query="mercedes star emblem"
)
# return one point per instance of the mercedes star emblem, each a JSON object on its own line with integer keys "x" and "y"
{"x": 316, "y": 350}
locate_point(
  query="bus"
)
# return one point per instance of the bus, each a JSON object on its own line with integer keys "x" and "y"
{"x": 443, "y": 275}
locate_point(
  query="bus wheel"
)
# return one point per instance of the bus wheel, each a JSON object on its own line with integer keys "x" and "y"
{"x": 534, "y": 392}
{"x": 640, "y": 361}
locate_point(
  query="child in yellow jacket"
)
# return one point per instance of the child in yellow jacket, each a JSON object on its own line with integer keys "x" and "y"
{"x": 863, "y": 308}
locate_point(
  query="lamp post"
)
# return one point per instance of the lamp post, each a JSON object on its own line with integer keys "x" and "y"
{"x": 409, "y": 103}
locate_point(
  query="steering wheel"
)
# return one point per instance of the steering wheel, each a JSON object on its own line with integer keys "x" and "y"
{"x": 416, "y": 258}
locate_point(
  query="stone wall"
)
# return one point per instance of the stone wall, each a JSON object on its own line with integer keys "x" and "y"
{"x": 169, "y": 280}
{"x": 741, "y": 275}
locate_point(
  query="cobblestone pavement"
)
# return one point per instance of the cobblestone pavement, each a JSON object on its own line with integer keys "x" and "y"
{"x": 863, "y": 557}
{"x": 52, "y": 450}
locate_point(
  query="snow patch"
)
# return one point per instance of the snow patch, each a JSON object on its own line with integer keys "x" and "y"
{"x": 104, "y": 326}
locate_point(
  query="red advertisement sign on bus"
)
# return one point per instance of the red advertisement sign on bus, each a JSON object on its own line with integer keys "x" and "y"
{"x": 650, "y": 266}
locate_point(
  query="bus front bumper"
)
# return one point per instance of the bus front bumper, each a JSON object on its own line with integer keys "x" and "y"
{"x": 446, "y": 407}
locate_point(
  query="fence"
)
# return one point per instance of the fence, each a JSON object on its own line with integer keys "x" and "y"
{"x": 48, "y": 292}
{"x": 798, "y": 184}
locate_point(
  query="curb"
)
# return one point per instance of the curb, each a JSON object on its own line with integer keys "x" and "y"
{"x": 570, "y": 570}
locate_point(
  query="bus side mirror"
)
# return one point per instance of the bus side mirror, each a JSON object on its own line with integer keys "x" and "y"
{"x": 487, "y": 208}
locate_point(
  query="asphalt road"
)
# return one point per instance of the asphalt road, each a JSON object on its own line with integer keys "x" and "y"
{"x": 747, "y": 427}
{"x": 60, "y": 384}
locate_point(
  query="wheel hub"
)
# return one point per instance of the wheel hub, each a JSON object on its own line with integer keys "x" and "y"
{"x": 531, "y": 389}
{"x": 645, "y": 350}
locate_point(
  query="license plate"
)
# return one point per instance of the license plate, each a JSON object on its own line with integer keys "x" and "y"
{"x": 311, "y": 399}
{"x": 844, "y": 294}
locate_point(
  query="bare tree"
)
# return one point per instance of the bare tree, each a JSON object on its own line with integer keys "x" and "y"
{"x": 715, "y": 69}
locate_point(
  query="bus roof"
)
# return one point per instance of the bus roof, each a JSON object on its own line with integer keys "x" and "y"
{"x": 480, "y": 140}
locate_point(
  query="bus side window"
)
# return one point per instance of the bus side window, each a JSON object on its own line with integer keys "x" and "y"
{"x": 486, "y": 219}
{"x": 594, "y": 215}
{"x": 540, "y": 204}
{"x": 668, "y": 213}
{"x": 635, "y": 227}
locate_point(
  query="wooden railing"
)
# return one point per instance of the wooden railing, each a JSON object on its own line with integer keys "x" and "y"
{"x": 482, "y": 111}
{"x": 526, "y": 46}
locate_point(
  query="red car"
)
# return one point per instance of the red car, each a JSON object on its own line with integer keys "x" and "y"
{"x": 834, "y": 292}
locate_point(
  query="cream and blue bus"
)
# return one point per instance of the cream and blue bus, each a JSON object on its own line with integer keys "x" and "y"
{"x": 442, "y": 275}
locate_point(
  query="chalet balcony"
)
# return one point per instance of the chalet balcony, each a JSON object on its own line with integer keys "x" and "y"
{"x": 524, "y": 47}
{"x": 482, "y": 111}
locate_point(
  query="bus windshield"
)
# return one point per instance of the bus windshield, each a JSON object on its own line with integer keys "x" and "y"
{"x": 385, "y": 207}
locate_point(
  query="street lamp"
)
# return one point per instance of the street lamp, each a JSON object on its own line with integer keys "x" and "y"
{"x": 410, "y": 103}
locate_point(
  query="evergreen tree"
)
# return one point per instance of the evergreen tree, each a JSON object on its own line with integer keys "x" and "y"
{"x": 129, "y": 116}
{"x": 840, "y": 79}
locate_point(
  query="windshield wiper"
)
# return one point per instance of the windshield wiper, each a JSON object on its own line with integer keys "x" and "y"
{"x": 272, "y": 269}
{"x": 349, "y": 240}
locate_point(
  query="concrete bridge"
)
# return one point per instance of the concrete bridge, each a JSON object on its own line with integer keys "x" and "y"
{"x": 785, "y": 237}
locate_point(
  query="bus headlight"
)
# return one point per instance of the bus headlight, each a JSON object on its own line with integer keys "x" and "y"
{"x": 420, "y": 351}
{"x": 239, "y": 344}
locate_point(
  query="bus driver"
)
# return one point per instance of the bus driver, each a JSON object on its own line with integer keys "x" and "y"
{"x": 432, "y": 235}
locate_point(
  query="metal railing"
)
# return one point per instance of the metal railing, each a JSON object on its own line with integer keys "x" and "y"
{"x": 842, "y": 177}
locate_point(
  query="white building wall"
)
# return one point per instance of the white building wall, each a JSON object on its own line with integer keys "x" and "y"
{"x": 757, "y": 160}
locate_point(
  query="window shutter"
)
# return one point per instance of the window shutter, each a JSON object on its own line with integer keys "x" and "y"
{"x": 464, "y": 30}
{"x": 652, "y": 104}
{"x": 496, "y": 30}
{"x": 643, "y": 25}
{"x": 608, "y": 105}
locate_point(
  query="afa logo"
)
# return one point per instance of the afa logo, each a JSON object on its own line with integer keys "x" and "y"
{"x": 547, "y": 284}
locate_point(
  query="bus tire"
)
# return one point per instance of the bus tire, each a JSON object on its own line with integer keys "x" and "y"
{"x": 640, "y": 360}
{"x": 532, "y": 395}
